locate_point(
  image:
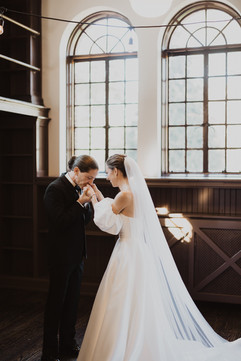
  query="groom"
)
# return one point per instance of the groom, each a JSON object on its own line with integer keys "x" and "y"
{"x": 67, "y": 211}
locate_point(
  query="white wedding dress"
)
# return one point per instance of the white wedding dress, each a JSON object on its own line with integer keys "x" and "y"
{"x": 137, "y": 315}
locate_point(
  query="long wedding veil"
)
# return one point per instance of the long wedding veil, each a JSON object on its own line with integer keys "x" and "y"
{"x": 186, "y": 321}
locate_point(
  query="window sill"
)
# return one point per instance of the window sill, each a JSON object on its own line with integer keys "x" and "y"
{"x": 188, "y": 180}
{"x": 196, "y": 180}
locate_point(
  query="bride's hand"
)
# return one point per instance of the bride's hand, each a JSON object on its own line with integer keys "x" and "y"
{"x": 90, "y": 193}
{"x": 97, "y": 192}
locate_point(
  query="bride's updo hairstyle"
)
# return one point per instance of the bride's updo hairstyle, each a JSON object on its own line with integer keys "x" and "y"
{"x": 117, "y": 161}
{"x": 84, "y": 162}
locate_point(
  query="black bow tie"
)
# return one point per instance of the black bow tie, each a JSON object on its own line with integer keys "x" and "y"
{"x": 77, "y": 188}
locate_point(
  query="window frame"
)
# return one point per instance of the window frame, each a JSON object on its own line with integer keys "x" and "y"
{"x": 166, "y": 53}
{"x": 72, "y": 59}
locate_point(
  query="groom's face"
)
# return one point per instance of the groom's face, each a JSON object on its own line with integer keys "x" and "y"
{"x": 84, "y": 178}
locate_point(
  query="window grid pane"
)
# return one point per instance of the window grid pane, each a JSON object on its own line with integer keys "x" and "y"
{"x": 204, "y": 95}
{"x": 104, "y": 95}
{"x": 115, "y": 120}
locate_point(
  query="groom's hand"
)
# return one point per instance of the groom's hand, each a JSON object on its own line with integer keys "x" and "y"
{"x": 89, "y": 191}
{"x": 84, "y": 196}
{"x": 93, "y": 197}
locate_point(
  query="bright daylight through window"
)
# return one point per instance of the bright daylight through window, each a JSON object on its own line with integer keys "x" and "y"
{"x": 103, "y": 90}
{"x": 203, "y": 61}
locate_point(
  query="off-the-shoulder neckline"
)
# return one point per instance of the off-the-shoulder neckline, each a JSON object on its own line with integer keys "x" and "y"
{"x": 126, "y": 216}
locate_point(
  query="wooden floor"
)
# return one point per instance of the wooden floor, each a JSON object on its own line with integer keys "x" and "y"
{"x": 21, "y": 321}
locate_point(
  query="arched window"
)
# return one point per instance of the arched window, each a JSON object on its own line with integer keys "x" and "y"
{"x": 201, "y": 55}
{"x": 102, "y": 88}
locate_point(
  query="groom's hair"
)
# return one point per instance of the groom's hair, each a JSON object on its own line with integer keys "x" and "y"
{"x": 117, "y": 161}
{"x": 84, "y": 162}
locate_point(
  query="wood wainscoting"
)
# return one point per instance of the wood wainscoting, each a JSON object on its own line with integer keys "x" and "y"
{"x": 210, "y": 264}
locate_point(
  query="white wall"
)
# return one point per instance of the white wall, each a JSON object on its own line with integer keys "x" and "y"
{"x": 54, "y": 38}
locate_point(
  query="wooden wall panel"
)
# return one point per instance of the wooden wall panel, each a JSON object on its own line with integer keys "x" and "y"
{"x": 193, "y": 200}
{"x": 205, "y": 206}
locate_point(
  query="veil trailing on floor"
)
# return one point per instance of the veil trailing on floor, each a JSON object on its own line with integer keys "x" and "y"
{"x": 185, "y": 320}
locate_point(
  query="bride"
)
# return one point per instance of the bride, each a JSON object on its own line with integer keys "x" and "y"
{"x": 142, "y": 310}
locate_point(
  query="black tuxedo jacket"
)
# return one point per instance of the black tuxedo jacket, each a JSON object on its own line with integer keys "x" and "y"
{"x": 66, "y": 223}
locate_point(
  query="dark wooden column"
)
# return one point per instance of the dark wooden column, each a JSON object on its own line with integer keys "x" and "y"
{"x": 40, "y": 113}
{"x": 42, "y": 146}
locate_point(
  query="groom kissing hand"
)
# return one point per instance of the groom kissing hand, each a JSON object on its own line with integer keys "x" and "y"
{"x": 68, "y": 211}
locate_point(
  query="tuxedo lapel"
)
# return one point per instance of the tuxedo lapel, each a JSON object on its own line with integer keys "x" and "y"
{"x": 69, "y": 187}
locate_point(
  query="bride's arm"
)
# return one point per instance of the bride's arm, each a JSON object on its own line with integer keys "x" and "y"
{"x": 94, "y": 194}
{"x": 105, "y": 218}
{"x": 121, "y": 201}
{"x": 97, "y": 192}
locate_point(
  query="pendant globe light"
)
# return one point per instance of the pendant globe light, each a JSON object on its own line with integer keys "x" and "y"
{"x": 150, "y": 8}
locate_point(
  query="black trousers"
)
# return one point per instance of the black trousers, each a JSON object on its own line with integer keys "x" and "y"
{"x": 62, "y": 306}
